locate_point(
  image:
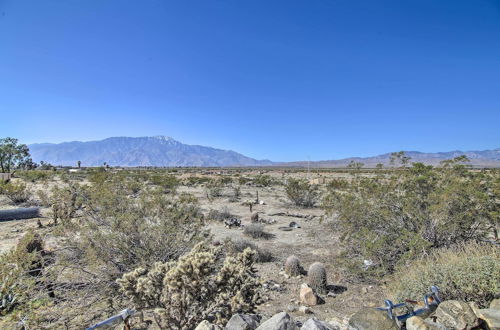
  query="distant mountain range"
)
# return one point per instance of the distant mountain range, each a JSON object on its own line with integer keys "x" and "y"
{"x": 138, "y": 151}
{"x": 484, "y": 158}
{"x": 164, "y": 151}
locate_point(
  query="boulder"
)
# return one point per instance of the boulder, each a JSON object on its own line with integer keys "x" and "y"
{"x": 371, "y": 319}
{"x": 456, "y": 314}
{"x": 418, "y": 323}
{"x": 280, "y": 321}
{"x": 313, "y": 324}
{"x": 205, "y": 325}
{"x": 495, "y": 304}
{"x": 492, "y": 317}
{"x": 307, "y": 295}
{"x": 243, "y": 322}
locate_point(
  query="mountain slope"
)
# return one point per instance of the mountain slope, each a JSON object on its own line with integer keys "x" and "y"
{"x": 484, "y": 158}
{"x": 140, "y": 151}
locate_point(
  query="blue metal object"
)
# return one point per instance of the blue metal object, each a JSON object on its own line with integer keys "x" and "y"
{"x": 113, "y": 320}
{"x": 431, "y": 299}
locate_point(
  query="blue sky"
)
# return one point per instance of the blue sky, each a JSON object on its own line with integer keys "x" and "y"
{"x": 283, "y": 80}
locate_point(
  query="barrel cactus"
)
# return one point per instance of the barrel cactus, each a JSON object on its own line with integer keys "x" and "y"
{"x": 292, "y": 266}
{"x": 316, "y": 277}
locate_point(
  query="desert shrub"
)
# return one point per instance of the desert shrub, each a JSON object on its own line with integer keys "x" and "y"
{"x": 236, "y": 193}
{"x": 301, "y": 193}
{"x": 18, "y": 193}
{"x": 20, "y": 269}
{"x": 34, "y": 175}
{"x": 221, "y": 215}
{"x": 116, "y": 233}
{"x": 264, "y": 180}
{"x": 337, "y": 184}
{"x": 64, "y": 202}
{"x": 196, "y": 180}
{"x": 98, "y": 175}
{"x": 167, "y": 182}
{"x": 468, "y": 273}
{"x": 214, "y": 188}
{"x": 240, "y": 245}
{"x": 389, "y": 220}
{"x": 201, "y": 285}
{"x": 256, "y": 230}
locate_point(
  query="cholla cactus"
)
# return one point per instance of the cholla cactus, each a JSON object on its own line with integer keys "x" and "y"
{"x": 292, "y": 266}
{"x": 196, "y": 287}
{"x": 317, "y": 278}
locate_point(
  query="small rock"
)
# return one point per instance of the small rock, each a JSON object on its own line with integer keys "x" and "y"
{"x": 313, "y": 324}
{"x": 243, "y": 322}
{"x": 291, "y": 308}
{"x": 371, "y": 319}
{"x": 205, "y": 325}
{"x": 280, "y": 321}
{"x": 456, "y": 315}
{"x": 307, "y": 296}
{"x": 417, "y": 323}
{"x": 364, "y": 290}
{"x": 305, "y": 310}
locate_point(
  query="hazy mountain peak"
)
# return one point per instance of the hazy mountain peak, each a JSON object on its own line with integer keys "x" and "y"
{"x": 138, "y": 151}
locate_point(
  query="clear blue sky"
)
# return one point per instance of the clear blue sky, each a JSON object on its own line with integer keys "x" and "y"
{"x": 283, "y": 80}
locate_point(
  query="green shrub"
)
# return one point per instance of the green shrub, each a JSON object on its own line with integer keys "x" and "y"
{"x": 167, "y": 182}
{"x": 34, "y": 175}
{"x": 19, "y": 270}
{"x": 214, "y": 188}
{"x": 387, "y": 221}
{"x": 301, "y": 193}
{"x": 468, "y": 273}
{"x": 201, "y": 285}
{"x": 264, "y": 180}
{"x": 17, "y": 192}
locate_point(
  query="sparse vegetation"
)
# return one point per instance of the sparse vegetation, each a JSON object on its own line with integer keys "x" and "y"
{"x": 256, "y": 230}
{"x": 466, "y": 272}
{"x": 18, "y": 192}
{"x": 301, "y": 193}
{"x": 201, "y": 285}
{"x": 387, "y": 221}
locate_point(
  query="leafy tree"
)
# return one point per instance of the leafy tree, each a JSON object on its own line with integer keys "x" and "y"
{"x": 13, "y": 154}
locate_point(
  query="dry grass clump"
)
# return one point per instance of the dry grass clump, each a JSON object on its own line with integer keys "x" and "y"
{"x": 468, "y": 272}
{"x": 221, "y": 215}
{"x": 239, "y": 245}
{"x": 256, "y": 231}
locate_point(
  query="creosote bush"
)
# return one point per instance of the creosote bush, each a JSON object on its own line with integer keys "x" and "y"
{"x": 468, "y": 272}
{"x": 389, "y": 220}
{"x": 202, "y": 285}
{"x": 301, "y": 193}
{"x": 18, "y": 193}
